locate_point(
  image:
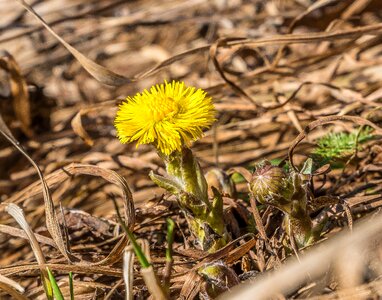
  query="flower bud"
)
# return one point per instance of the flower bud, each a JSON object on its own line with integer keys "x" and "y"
{"x": 218, "y": 279}
{"x": 221, "y": 181}
{"x": 271, "y": 185}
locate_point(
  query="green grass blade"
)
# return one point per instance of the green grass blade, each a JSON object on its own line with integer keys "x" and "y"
{"x": 71, "y": 287}
{"x": 56, "y": 289}
{"x": 170, "y": 238}
{"x": 137, "y": 249}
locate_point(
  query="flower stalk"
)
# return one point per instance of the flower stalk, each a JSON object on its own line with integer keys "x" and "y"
{"x": 170, "y": 116}
{"x": 186, "y": 181}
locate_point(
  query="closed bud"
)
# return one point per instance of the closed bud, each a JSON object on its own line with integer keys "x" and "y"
{"x": 218, "y": 279}
{"x": 272, "y": 185}
{"x": 221, "y": 181}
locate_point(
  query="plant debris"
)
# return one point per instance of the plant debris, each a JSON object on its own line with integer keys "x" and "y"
{"x": 297, "y": 83}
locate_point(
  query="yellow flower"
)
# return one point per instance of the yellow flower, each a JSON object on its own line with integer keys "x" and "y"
{"x": 169, "y": 116}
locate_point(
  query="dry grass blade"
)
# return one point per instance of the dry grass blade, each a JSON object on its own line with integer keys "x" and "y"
{"x": 110, "y": 78}
{"x": 51, "y": 218}
{"x": 355, "y": 8}
{"x": 97, "y": 71}
{"x": 114, "y": 255}
{"x": 239, "y": 252}
{"x": 66, "y": 172}
{"x": 213, "y": 54}
{"x": 17, "y": 213}
{"x": 12, "y": 283}
{"x": 191, "y": 286}
{"x": 77, "y": 169}
{"x": 311, "y": 37}
{"x": 128, "y": 274}
{"x": 12, "y": 288}
{"x": 310, "y": 9}
{"x": 258, "y": 220}
{"x": 112, "y": 290}
{"x": 242, "y": 171}
{"x": 285, "y": 39}
{"x": 78, "y": 269}
{"x": 152, "y": 283}
{"x": 21, "y": 234}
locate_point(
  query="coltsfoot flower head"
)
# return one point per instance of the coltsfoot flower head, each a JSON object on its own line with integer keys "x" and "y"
{"x": 168, "y": 116}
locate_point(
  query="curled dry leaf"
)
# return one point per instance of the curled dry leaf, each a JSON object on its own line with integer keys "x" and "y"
{"x": 65, "y": 173}
{"x": 79, "y": 129}
{"x": 19, "y": 90}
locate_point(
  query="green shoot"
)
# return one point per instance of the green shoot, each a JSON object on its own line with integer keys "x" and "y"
{"x": 137, "y": 249}
{"x": 237, "y": 178}
{"x": 170, "y": 238}
{"x": 56, "y": 289}
{"x": 169, "y": 259}
{"x": 275, "y": 161}
{"x": 71, "y": 287}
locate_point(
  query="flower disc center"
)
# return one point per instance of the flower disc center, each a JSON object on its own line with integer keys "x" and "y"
{"x": 166, "y": 108}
